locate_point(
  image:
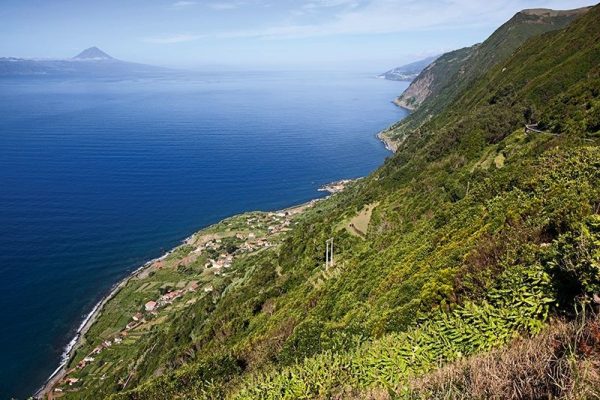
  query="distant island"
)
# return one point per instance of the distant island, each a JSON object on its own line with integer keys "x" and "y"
{"x": 93, "y": 54}
{"x": 407, "y": 72}
{"x": 91, "y": 62}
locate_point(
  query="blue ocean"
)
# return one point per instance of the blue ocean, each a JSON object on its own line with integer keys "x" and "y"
{"x": 99, "y": 176}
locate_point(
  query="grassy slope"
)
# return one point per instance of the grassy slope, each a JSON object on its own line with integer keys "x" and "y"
{"x": 461, "y": 253}
{"x": 455, "y": 71}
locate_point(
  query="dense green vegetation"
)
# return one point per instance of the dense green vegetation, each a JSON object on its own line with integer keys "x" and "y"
{"x": 480, "y": 233}
{"x": 456, "y": 71}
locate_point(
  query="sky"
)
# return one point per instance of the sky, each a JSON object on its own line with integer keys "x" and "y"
{"x": 367, "y": 35}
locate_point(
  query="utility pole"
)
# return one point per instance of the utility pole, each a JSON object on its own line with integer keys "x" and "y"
{"x": 328, "y": 253}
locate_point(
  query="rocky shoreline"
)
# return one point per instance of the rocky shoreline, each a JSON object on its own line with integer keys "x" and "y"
{"x": 337, "y": 186}
{"x": 400, "y": 102}
{"x": 389, "y": 144}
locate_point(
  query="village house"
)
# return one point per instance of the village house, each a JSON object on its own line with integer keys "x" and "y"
{"x": 168, "y": 297}
{"x": 150, "y": 306}
{"x": 262, "y": 243}
{"x": 71, "y": 381}
{"x": 246, "y": 247}
{"x": 197, "y": 250}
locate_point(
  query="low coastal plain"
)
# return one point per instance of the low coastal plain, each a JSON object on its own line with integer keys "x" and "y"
{"x": 200, "y": 269}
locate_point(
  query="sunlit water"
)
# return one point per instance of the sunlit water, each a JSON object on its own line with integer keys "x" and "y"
{"x": 97, "y": 177}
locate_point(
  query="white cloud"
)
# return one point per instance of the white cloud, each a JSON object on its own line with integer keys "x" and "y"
{"x": 316, "y": 4}
{"x": 222, "y": 6}
{"x": 183, "y": 4}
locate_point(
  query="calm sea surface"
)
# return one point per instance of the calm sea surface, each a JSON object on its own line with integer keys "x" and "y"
{"x": 97, "y": 177}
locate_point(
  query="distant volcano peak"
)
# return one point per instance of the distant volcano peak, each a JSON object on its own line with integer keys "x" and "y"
{"x": 93, "y": 53}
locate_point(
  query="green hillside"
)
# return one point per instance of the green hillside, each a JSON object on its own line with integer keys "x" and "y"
{"x": 476, "y": 244}
{"x": 445, "y": 79}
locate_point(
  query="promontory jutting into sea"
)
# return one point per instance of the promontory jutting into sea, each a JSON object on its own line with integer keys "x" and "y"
{"x": 260, "y": 199}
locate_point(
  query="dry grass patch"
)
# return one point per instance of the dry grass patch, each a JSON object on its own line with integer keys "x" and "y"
{"x": 561, "y": 362}
{"x": 359, "y": 224}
